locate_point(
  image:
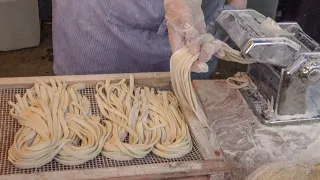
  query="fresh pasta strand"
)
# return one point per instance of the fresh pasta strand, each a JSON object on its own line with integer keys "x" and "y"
{"x": 151, "y": 120}
{"x": 44, "y": 130}
{"x": 126, "y": 110}
{"x": 180, "y": 71}
{"x": 87, "y": 134}
{"x": 56, "y": 124}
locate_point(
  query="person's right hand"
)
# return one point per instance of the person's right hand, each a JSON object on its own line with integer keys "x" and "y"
{"x": 185, "y": 22}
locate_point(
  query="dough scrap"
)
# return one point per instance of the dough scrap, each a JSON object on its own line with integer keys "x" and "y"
{"x": 286, "y": 171}
{"x": 240, "y": 80}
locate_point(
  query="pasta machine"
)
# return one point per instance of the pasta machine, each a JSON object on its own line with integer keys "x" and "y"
{"x": 286, "y": 66}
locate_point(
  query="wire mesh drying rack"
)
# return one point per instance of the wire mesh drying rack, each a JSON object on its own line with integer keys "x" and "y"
{"x": 199, "y": 162}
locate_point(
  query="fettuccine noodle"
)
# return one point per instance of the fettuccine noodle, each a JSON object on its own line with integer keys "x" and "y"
{"x": 151, "y": 120}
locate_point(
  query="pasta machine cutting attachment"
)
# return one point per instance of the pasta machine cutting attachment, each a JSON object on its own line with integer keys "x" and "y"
{"x": 286, "y": 66}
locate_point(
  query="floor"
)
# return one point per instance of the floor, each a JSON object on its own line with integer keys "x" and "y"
{"x": 35, "y": 61}
{"x": 38, "y": 61}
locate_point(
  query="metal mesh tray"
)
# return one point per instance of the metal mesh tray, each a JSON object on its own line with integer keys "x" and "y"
{"x": 9, "y": 126}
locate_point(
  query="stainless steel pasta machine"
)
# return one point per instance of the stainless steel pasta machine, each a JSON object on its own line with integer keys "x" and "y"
{"x": 286, "y": 68}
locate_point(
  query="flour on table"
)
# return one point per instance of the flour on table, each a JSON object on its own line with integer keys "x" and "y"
{"x": 246, "y": 143}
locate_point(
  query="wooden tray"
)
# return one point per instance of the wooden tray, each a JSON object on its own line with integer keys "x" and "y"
{"x": 201, "y": 163}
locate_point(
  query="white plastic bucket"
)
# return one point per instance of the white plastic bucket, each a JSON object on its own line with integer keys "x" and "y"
{"x": 19, "y": 24}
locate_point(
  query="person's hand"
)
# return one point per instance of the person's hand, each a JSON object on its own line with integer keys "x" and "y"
{"x": 185, "y": 22}
{"x": 239, "y": 4}
{"x": 209, "y": 47}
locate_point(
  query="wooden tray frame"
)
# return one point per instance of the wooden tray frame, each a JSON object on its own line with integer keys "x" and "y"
{"x": 213, "y": 167}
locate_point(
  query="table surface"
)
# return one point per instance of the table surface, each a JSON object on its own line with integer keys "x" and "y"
{"x": 246, "y": 143}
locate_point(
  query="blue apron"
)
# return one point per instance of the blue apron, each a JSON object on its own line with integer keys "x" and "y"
{"x": 114, "y": 36}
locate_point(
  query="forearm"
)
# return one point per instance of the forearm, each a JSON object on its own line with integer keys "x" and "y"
{"x": 239, "y": 4}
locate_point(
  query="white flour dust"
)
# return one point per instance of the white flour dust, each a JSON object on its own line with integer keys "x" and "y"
{"x": 246, "y": 143}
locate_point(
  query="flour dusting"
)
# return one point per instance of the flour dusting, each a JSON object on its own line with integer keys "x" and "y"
{"x": 246, "y": 143}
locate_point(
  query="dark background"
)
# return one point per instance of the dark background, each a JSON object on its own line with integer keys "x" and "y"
{"x": 45, "y": 10}
{"x": 305, "y": 12}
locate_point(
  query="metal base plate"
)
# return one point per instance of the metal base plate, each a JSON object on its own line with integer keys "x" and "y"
{"x": 258, "y": 104}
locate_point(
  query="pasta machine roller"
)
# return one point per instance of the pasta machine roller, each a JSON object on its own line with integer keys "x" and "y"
{"x": 286, "y": 66}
